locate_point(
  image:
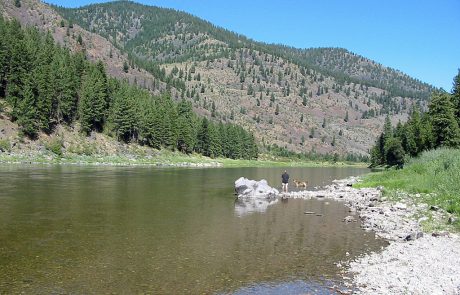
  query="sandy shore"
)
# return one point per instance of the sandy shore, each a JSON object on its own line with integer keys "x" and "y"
{"x": 415, "y": 262}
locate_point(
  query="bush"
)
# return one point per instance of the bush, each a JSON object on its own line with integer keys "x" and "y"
{"x": 55, "y": 146}
{"x": 5, "y": 145}
{"x": 436, "y": 172}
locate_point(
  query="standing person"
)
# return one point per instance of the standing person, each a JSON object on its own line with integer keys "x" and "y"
{"x": 285, "y": 181}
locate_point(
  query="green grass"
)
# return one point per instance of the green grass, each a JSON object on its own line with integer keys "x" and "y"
{"x": 54, "y": 155}
{"x": 434, "y": 174}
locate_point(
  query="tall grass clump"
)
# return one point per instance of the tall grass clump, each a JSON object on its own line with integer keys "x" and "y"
{"x": 435, "y": 172}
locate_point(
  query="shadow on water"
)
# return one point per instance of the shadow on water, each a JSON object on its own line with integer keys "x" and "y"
{"x": 131, "y": 230}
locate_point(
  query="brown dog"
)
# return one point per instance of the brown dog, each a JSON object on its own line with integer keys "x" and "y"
{"x": 300, "y": 183}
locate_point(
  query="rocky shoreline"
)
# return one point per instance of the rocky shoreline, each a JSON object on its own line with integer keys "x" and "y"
{"x": 415, "y": 262}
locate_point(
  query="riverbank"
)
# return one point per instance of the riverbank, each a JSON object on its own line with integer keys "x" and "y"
{"x": 418, "y": 260}
{"x": 67, "y": 145}
{"x": 162, "y": 158}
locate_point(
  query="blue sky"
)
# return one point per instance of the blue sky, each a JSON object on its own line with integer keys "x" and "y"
{"x": 418, "y": 37}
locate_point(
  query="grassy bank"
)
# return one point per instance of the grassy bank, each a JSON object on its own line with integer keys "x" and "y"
{"x": 163, "y": 158}
{"x": 433, "y": 178}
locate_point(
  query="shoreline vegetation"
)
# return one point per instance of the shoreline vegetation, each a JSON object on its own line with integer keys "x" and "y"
{"x": 417, "y": 210}
{"x": 165, "y": 158}
{"x": 424, "y": 198}
{"x": 433, "y": 178}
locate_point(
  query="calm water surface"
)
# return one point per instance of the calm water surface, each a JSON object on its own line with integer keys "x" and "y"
{"x": 123, "y": 230}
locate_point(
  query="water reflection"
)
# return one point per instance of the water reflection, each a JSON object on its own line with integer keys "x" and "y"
{"x": 102, "y": 230}
{"x": 245, "y": 206}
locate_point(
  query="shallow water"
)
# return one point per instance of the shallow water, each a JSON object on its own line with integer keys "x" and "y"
{"x": 131, "y": 230}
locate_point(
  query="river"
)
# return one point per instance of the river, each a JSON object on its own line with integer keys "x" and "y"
{"x": 132, "y": 230}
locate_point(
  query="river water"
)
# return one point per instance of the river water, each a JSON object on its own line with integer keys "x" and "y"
{"x": 134, "y": 230}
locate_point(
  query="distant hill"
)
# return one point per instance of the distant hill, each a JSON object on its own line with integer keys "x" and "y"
{"x": 319, "y": 100}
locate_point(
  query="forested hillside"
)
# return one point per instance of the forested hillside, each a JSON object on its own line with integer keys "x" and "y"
{"x": 137, "y": 28}
{"x": 439, "y": 127}
{"x": 44, "y": 85}
{"x": 310, "y": 101}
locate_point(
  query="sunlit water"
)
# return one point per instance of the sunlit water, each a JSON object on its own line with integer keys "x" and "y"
{"x": 124, "y": 230}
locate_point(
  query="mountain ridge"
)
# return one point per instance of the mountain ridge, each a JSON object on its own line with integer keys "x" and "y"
{"x": 287, "y": 105}
{"x": 312, "y": 56}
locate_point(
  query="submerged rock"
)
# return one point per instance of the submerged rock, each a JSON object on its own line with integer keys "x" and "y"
{"x": 251, "y": 188}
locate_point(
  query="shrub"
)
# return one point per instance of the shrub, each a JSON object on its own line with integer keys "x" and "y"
{"x": 5, "y": 145}
{"x": 55, "y": 146}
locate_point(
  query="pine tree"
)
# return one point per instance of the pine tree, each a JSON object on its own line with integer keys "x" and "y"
{"x": 394, "y": 153}
{"x": 45, "y": 82}
{"x": 378, "y": 152}
{"x": 224, "y": 140}
{"x": 412, "y": 137}
{"x": 185, "y": 127}
{"x": 65, "y": 90}
{"x": 456, "y": 96}
{"x": 124, "y": 115}
{"x": 215, "y": 148}
{"x": 169, "y": 121}
{"x": 148, "y": 129}
{"x": 445, "y": 126}
{"x": 20, "y": 66}
{"x": 4, "y": 56}
{"x": 27, "y": 113}
{"x": 203, "y": 141}
{"x": 92, "y": 107}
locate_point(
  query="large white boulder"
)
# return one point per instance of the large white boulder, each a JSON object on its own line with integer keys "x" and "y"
{"x": 251, "y": 188}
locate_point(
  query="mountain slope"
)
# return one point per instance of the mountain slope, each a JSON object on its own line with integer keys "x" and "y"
{"x": 325, "y": 100}
{"x": 142, "y": 29}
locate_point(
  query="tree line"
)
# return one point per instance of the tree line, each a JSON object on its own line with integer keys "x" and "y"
{"x": 45, "y": 85}
{"x": 438, "y": 127}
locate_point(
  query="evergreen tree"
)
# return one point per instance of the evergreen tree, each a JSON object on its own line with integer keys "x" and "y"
{"x": 20, "y": 65}
{"x": 65, "y": 88}
{"x": 445, "y": 126}
{"x": 378, "y": 152}
{"x": 456, "y": 97}
{"x": 203, "y": 141}
{"x": 124, "y": 115}
{"x": 394, "y": 153}
{"x": 27, "y": 113}
{"x": 185, "y": 127}
{"x": 412, "y": 137}
{"x": 215, "y": 148}
{"x": 44, "y": 81}
{"x": 4, "y": 56}
{"x": 92, "y": 101}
